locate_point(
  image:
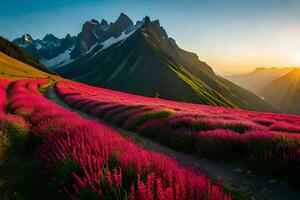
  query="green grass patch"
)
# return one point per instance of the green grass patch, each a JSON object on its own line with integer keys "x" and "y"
{"x": 4, "y": 144}
{"x": 19, "y": 177}
{"x": 150, "y": 116}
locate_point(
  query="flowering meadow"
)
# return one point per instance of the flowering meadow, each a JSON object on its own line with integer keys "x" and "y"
{"x": 12, "y": 127}
{"x": 260, "y": 138}
{"x": 84, "y": 159}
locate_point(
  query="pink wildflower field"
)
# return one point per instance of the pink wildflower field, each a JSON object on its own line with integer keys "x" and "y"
{"x": 85, "y": 159}
{"x": 259, "y": 138}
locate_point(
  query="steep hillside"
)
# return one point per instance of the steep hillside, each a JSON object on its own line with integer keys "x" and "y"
{"x": 15, "y": 63}
{"x": 284, "y": 92}
{"x": 10, "y": 67}
{"x": 14, "y": 51}
{"x": 144, "y": 60}
{"x": 258, "y": 78}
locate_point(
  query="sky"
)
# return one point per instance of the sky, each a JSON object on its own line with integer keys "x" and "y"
{"x": 232, "y": 36}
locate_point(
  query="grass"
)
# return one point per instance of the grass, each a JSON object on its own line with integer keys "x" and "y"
{"x": 18, "y": 178}
{"x": 4, "y": 144}
{"x": 149, "y": 116}
{"x": 12, "y": 68}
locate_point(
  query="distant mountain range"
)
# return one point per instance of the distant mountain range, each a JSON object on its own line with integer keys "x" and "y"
{"x": 139, "y": 58}
{"x": 50, "y": 51}
{"x": 278, "y": 86}
{"x": 15, "y": 63}
{"x": 258, "y": 78}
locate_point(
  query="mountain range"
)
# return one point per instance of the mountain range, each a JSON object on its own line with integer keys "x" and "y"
{"x": 139, "y": 58}
{"x": 280, "y": 87}
{"x": 50, "y": 51}
{"x": 258, "y": 78}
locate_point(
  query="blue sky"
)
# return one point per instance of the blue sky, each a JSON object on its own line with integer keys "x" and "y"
{"x": 230, "y": 35}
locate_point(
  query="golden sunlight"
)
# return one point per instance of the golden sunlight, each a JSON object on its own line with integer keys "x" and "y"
{"x": 297, "y": 59}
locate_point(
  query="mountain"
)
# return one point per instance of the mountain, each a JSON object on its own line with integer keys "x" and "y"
{"x": 284, "y": 92}
{"x": 50, "y": 51}
{"x": 94, "y": 32}
{"x": 258, "y": 78}
{"x": 13, "y": 51}
{"x": 142, "y": 59}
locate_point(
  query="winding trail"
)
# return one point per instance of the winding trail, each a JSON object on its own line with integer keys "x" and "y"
{"x": 256, "y": 187}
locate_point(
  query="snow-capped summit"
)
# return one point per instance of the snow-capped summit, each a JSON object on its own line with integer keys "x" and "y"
{"x": 27, "y": 38}
{"x": 47, "y": 48}
{"x": 94, "y": 21}
{"x": 104, "y": 24}
{"x": 93, "y": 33}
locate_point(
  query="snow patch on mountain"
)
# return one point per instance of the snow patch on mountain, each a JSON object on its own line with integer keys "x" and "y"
{"x": 95, "y": 34}
{"x": 62, "y": 59}
{"x": 145, "y": 34}
{"x": 109, "y": 42}
{"x": 38, "y": 46}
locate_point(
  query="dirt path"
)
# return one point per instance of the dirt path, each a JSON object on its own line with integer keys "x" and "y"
{"x": 254, "y": 186}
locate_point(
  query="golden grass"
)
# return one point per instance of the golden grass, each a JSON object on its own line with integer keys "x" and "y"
{"x": 12, "y": 68}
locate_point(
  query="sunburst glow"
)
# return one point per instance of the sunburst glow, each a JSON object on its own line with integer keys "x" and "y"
{"x": 297, "y": 59}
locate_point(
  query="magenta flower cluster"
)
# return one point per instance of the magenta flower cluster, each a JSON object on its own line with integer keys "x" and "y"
{"x": 12, "y": 125}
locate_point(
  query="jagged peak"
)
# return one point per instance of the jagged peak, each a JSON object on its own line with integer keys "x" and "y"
{"x": 156, "y": 23}
{"x": 68, "y": 36}
{"x": 50, "y": 37}
{"x": 124, "y": 17}
{"x": 104, "y": 23}
{"x": 27, "y": 37}
{"x": 94, "y": 21}
{"x": 147, "y": 19}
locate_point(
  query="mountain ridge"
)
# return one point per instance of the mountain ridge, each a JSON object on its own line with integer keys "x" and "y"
{"x": 46, "y": 49}
{"x": 284, "y": 92}
{"x": 258, "y": 77}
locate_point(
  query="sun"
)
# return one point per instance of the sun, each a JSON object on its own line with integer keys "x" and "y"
{"x": 297, "y": 59}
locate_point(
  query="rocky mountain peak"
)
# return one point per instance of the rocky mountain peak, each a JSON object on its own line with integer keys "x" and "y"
{"x": 123, "y": 17}
{"x": 94, "y": 21}
{"x": 68, "y": 36}
{"x": 89, "y": 25}
{"x": 27, "y": 38}
{"x": 147, "y": 20}
{"x": 50, "y": 38}
{"x": 121, "y": 24}
{"x": 104, "y": 23}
